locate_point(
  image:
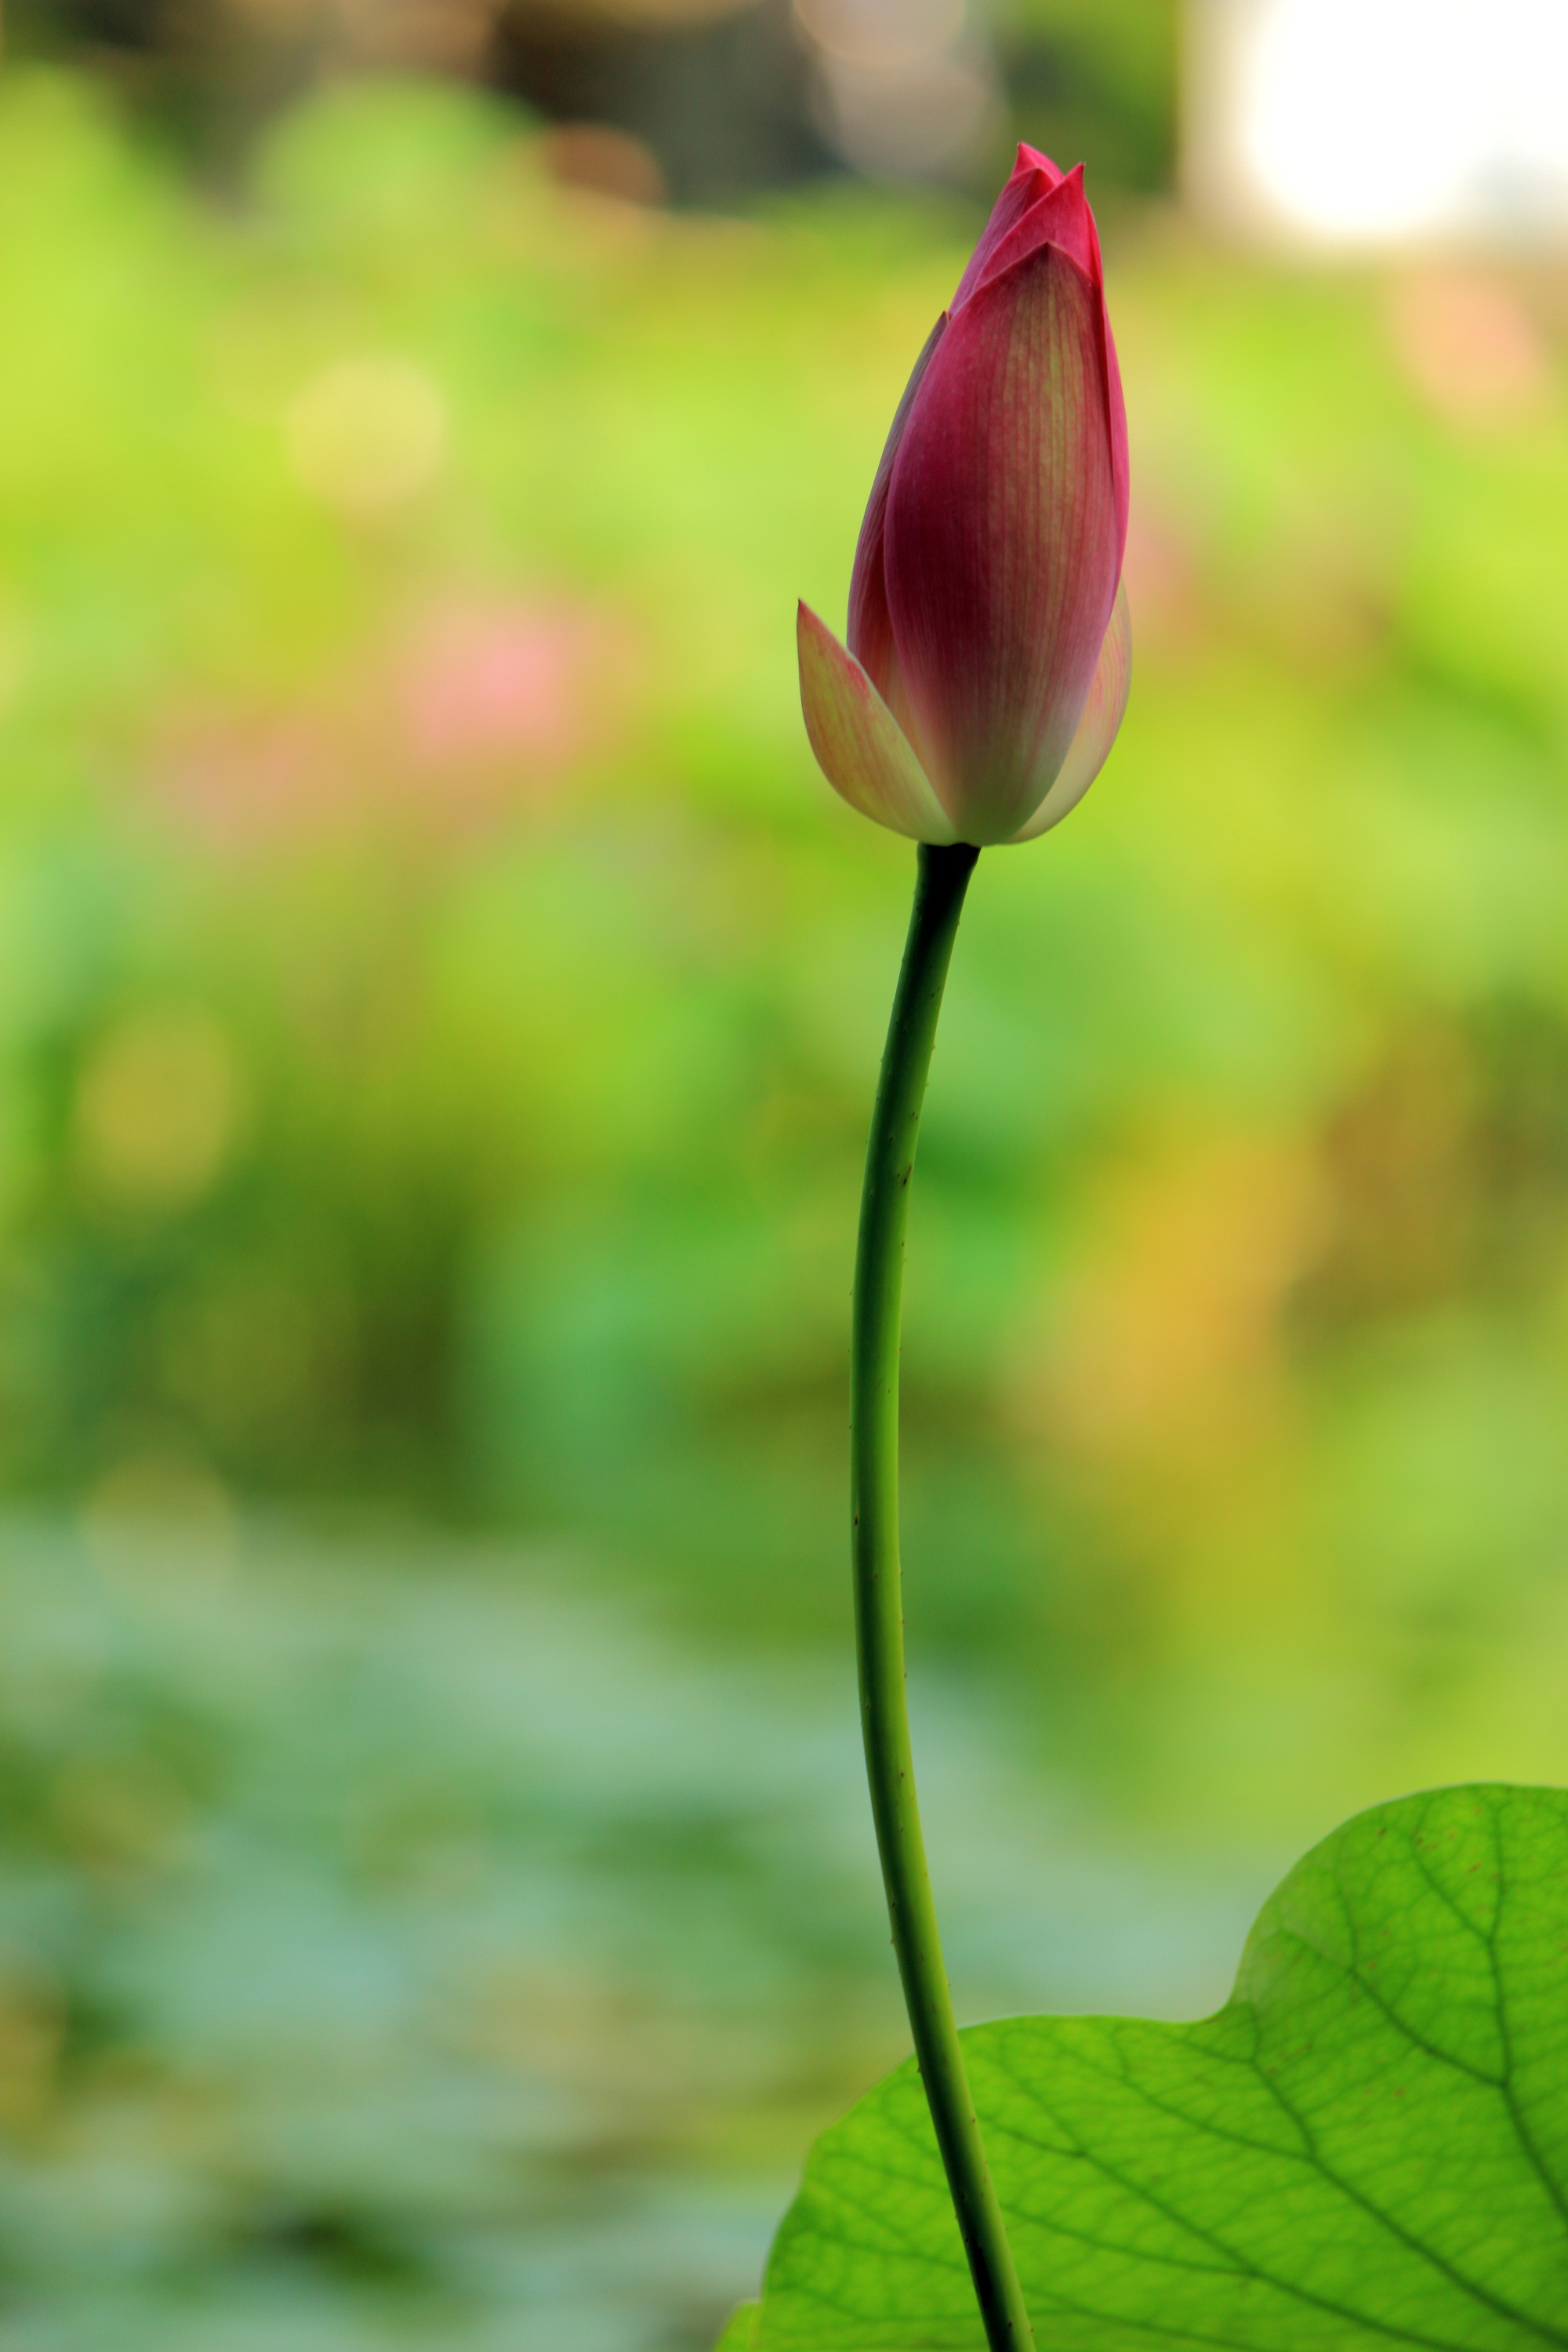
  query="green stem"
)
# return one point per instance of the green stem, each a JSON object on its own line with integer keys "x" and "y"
{"x": 942, "y": 880}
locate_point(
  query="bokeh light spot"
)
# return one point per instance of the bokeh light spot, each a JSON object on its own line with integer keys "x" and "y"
{"x": 160, "y": 1108}
{"x": 368, "y": 434}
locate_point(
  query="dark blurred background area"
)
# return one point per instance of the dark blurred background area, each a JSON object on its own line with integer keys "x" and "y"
{"x": 725, "y": 98}
{"x": 439, "y": 1006}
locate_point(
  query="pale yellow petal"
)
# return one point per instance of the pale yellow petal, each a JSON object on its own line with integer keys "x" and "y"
{"x": 1102, "y": 712}
{"x": 859, "y": 745}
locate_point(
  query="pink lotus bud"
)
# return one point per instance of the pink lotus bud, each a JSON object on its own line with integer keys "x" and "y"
{"x": 989, "y": 647}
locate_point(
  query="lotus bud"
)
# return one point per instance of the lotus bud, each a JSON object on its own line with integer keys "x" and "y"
{"x": 988, "y": 654}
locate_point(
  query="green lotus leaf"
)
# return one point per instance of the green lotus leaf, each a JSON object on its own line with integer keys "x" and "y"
{"x": 1367, "y": 2146}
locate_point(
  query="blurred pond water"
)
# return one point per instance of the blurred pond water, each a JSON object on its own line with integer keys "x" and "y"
{"x": 399, "y": 1945}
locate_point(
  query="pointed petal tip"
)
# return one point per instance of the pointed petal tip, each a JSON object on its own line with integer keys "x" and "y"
{"x": 1035, "y": 159}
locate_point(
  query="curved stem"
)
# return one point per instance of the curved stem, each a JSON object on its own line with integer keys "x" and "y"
{"x": 942, "y": 877}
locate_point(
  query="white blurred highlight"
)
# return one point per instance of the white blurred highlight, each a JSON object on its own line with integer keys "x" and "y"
{"x": 1382, "y": 122}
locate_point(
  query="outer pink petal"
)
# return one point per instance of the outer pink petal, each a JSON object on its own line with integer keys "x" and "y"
{"x": 859, "y": 745}
{"x": 1116, "y": 409}
{"x": 871, "y": 632}
{"x": 1097, "y": 728}
{"x": 1002, "y": 541}
{"x": 1116, "y": 406}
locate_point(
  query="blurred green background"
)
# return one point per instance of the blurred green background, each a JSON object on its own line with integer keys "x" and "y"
{"x": 439, "y": 1003}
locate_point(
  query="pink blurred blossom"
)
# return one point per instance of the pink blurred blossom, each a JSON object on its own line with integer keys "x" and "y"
{"x": 474, "y": 710}
{"x": 488, "y": 682}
